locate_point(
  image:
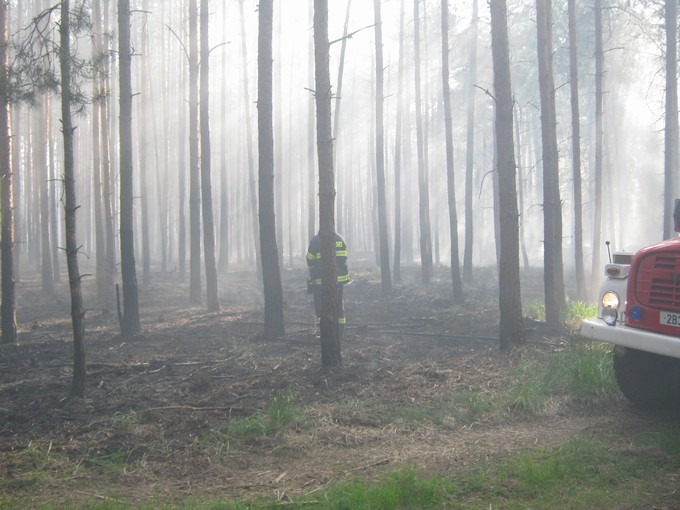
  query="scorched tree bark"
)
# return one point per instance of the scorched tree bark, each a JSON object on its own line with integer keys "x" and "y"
{"x": 9, "y": 324}
{"x": 130, "y": 323}
{"x": 71, "y": 204}
{"x": 510, "y": 303}
{"x": 271, "y": 273}
{"x": 330, "y": 340}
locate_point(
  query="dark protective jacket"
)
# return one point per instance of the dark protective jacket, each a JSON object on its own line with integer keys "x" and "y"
{"x": 314, "y": 260}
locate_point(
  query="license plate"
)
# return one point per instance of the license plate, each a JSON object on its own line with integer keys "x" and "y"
{"x": 669, "y": 319}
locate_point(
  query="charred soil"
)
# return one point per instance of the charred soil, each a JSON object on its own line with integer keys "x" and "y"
{"x": 159, "y": 420}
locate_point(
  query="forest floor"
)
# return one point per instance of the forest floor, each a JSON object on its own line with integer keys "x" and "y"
{"x": 158, "y": 422}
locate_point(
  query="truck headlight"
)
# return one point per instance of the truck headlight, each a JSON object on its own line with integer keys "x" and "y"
{"x": 610, "y": 299}
{"x": 610, "y": 307}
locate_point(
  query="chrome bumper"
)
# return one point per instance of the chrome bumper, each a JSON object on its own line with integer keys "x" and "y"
{"x": 630, "y": 337}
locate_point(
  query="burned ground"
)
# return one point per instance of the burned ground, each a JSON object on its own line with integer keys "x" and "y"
{"x": 158, "y": 419}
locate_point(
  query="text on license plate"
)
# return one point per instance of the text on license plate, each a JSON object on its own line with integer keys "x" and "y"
{"x": 669, "y": 319}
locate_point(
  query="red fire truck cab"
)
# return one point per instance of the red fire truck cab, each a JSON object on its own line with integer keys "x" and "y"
{"x": 639, "y": 312}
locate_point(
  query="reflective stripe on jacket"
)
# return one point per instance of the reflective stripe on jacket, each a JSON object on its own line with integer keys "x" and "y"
{"x": 314, "y": 260}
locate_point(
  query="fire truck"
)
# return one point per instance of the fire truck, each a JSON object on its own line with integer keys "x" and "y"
{"x": 639, "y": 313}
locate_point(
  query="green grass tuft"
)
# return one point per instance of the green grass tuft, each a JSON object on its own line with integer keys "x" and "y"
{"x": 401, "y": 489}
{"x": 279, "y": 414}
{"x": 573, "y": 313}
{"x": 578, "y": 310}
{"x": 582, "y": 371}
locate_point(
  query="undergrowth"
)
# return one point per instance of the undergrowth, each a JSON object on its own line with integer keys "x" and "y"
{"x": 582, "y": 371}
{"x": 280, "y": 412}
{"x": 638, "y": 471}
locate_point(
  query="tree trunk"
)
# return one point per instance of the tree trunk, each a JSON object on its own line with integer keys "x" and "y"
{"x": 470, "y": 148}
{"x": 671, "y": 157}
{"x": 194, "y": 167}
{"x": 271, "y": 275}
{"x": 398, "y": 149}
{"x": 278, "y": 134}
{"x": 100, "y": 240}
{"x": 385, "y": 276}
{"x": 143, "y": 151}
{"x": 249, "y": 143}
{"x": 423, "y": 192}
{"x": 336, "y": 117}
{"x": 107, "y": 185}
{"x": 520, "y": 190}
{"x": 330, "y": 340}
{"x": 496, "y": 203}
{"x": 182, "y": 177}
{"x": 206, "y": 182}
{"x": 552, "y": 204}
{"x": 456, "y": 283}
{"x": 43, "y": 197}
{"x": 131, "y": 324}
{"x": 223, "y": 257}
{"x": 19, "y": 220}
{"x": 311, "y": 163}
{"x": 55, "y": 223}
{"x": 71, "y": 205}
{"x": 599, "y": 77}
{"x": 8, "y": 319}
{"x": 581, "y": 291}
{"x": 510, "y": 302}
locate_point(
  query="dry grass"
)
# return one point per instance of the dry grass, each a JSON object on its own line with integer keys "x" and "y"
{"x": 159, "y": 420}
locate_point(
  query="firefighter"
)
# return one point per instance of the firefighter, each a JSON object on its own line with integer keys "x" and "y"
{"x": 314, "y": 281}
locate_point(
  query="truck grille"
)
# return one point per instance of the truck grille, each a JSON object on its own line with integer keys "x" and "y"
{"x": 658, "y": 281}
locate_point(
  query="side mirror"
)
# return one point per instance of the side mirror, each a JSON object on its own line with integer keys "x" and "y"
{"x": 676, "y": 215}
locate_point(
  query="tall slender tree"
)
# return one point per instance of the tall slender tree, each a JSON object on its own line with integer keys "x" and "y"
{"x": 106, "y": 156}
{"x": 599, "y": 135}
{"x": 470, "y": 146}
{"x": 71, "y": 204}
{"x": 423, "y": 180}
{"x": 385, "y": 275}
{"x": 182, "y": 178}
{"x": 9, "y": 324}
{"x": 194, "y": 161}
{"x": 330, "y": 338}
{"x": 131, "y": 324}
{"x": 510, "y": 302}
{"x": 206, "y": 181}
{"x": 143, "y": 149}
{"x": 671, "y": 131}
{"x": 398, "y": 149}
{"x": 252, "y": 189}
{"x": 271, "y": 273}
{"x": 581, "y": 290}
{"x": 552, "y": 205}
{"x": 520, "y": 188}
{"x": 103, "y": 290}
{"x": 311, "y": 164}
{"x": 456, "y": 282}
{"x": 43, "y": 196}
{"x": 224, "y": 245}
{"x": 277, "y": 88}
{"x": 338, "y": 103}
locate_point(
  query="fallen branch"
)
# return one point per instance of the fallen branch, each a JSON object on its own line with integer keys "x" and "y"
{"x": 439, "y": 335}
{"x": 187, "y": 408}
{"x": 195, "y": 408}
{"x": 292, "y": 504}
{"x": 99, "y": 496}
{"x": 372, "y": 465}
